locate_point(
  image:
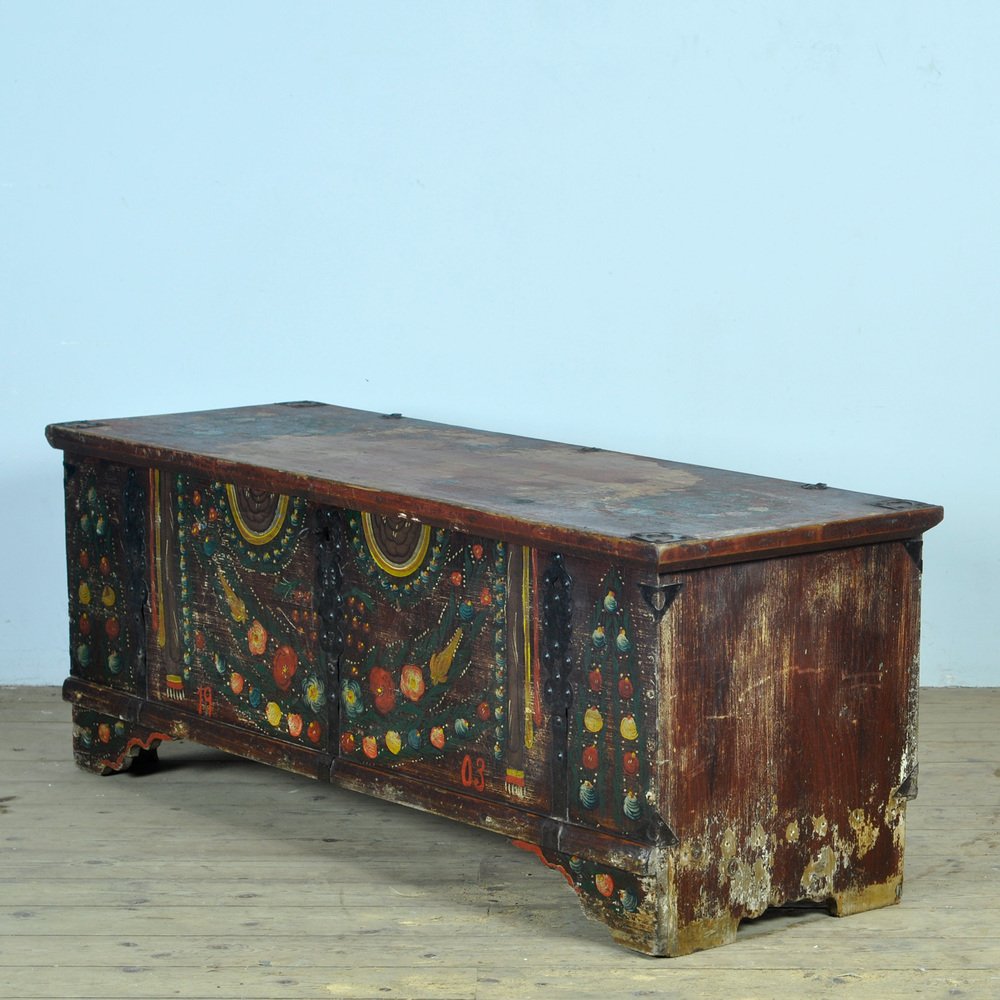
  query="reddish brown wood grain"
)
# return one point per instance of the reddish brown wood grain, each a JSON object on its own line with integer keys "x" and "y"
{"x": 588, "y": 501}
{"x": 787, "y": 725}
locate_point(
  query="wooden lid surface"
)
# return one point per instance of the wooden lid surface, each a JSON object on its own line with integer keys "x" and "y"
{"x": 664, "y": 515}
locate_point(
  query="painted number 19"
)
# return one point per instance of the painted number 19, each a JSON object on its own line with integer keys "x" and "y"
{"x": 474, "y": 774}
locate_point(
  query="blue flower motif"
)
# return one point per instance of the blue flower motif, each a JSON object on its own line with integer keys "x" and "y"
{"x": 350, "y": 695}
{"x": 315, "y": 693}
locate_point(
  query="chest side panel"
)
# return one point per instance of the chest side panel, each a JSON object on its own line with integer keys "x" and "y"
{"x": 789, "y": 706}
{"x": 106, "y": 569}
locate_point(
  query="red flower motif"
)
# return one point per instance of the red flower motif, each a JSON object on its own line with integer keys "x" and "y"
{"x": 477, "y": 551}
{"x": 283, "y": 666}
{"x": 412, "y": 682}
{"x": 485, "y": 597}
{"x": 381, "y": 686}
{"x": 456, "y": 579}
{"x": 257, "y": 638}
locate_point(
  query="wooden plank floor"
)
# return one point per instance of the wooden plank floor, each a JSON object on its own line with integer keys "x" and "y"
{"x": 220, "y": 878}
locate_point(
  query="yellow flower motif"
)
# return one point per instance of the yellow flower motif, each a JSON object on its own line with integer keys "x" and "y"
{"x": 628, "y": 728}
{"x": 592, "y": 720}
{"x": 273, "y": 713}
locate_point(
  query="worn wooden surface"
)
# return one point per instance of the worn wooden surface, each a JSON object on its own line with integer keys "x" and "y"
{"x": 750, "y": 748}
{"x": 216, "y": 877}
{"x": 576, "y": 499}
{"x": 789, "y": 728}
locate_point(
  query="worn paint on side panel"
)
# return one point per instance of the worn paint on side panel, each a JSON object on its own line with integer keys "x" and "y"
{"x": 786, "y": 731}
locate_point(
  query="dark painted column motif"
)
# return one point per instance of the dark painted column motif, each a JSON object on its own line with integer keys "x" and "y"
{"x": 557, "y": 663}
{"x": 330, "y": 552}
{"x": 609, "y": 769}
{"x": 136, "y": 564}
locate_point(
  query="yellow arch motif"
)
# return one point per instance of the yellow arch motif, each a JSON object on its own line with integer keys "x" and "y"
{"x": 249, "y": 535}
{"x": 383, "y": 561}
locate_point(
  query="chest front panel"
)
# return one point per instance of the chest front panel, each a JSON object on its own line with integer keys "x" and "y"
{"x": 233, "y": 630}
{"x": 439, "y": 671}
{"x": 436, "y": 667}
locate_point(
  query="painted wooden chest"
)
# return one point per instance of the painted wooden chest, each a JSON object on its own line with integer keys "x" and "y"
{"x": 692, "y": 691}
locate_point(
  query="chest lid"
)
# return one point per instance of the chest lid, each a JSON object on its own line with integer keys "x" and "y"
{"x": 646, "y": 511}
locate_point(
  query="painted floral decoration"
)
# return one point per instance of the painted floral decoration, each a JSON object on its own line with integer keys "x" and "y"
{"x": 383, "y": 689}
{"x": 314, "y": 692}
{"x": 350, "y": 694}
{"x": 412, "y": 682}
{"x": 256, "y": 638}
{"x": 283, "y": 667}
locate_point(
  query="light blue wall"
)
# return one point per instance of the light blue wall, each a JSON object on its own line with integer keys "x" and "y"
{"x": 762, "y": 236}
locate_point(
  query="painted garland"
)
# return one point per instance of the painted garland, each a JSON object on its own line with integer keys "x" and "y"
{"x": 400, "y": 559}
{"x": 100, "y": 638}
{"x": 607, "y": 751}
{"x": 393, "y": 705}
{"x": 275, "y": 681}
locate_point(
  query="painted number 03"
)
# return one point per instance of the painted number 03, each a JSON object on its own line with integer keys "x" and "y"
{"x": 474, "y": 773}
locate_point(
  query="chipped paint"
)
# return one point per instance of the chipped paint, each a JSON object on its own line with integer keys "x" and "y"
{"x": 750, "y": 884}
{"x": 865, "y": 831}
{"x": 707, "y": 932}
{"x": 727, "y": 848}
{"x": 792, "y": 832}
{"x": 820, "y": 826}
{"x": 817, "y": 879}
{"x": 894, "y": 818}
{"x": 691, "y": 854}
{"x": 869, "y": 897}
{"x": 744, "y": 870}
